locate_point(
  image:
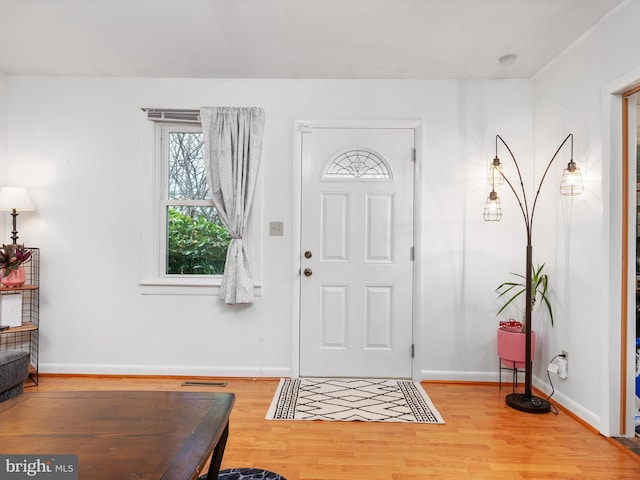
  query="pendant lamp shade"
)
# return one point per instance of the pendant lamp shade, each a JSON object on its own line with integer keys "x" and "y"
{"x": 492, "y": 208}
{"x": 571, "y": 183}
{"x": 495, "y": 173}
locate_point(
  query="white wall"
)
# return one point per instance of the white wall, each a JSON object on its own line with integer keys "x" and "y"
{"x": 78, "y": 145}
{"x": 3, "y": 124}
{"x": 574, "y": 94}
{"x": 4, "y": 95}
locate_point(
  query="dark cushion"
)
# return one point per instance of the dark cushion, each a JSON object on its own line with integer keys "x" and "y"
{"x": 14, "y": 370}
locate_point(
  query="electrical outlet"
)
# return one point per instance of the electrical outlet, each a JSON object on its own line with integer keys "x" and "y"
{"x": 563, "y": 364}
{"x": 553, "y": 368}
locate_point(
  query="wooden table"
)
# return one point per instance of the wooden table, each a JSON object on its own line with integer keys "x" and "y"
{"x": 118, "y": 435}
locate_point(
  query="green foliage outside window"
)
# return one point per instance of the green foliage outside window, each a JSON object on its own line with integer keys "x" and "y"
{"x": 196, "y": 246}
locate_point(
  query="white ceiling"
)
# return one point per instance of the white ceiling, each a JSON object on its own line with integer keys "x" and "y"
{"x": 290, "y": 38}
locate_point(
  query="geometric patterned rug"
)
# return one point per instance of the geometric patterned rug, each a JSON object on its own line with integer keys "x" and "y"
{"x": 349, "y": 399}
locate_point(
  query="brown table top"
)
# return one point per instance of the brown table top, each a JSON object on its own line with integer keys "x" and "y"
{"x": 119, "y": 434}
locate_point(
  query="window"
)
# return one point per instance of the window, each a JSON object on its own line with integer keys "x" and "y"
{"x": 184, "y": 244}
{"x": 194, "y": 241}
{"x": 357, "y": 163}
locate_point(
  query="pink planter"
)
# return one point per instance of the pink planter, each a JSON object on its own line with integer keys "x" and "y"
{"x": 511, "y": 347}
{"x": 15, "y": 278}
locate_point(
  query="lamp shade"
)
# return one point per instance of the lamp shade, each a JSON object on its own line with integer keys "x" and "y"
{"x": 492, "y": 208}
{"x": 571, "y": 183}
{"x": 496, "y": 177}
{"x": 15, "y": 198}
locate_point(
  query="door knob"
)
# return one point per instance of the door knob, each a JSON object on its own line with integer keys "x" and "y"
{"x": 308, "y": 254}
{"x": 307, "y": 272}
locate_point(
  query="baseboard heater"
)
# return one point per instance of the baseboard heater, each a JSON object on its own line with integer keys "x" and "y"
{"x": 210, "y": 384}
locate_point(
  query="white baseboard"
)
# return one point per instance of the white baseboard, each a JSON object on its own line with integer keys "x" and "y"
{"x": 443, "y": 375}
{"x": 575, "y": 408}
{"x": 167, "y": 370}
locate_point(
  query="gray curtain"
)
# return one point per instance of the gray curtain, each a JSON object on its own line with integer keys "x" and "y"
{"x": 232, "y": 147}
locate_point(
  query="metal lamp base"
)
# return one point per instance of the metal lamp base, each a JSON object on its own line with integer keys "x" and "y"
{"x": 531, "y": 404}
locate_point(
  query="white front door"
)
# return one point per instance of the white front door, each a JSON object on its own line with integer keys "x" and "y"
{"x": 357, "y": 250}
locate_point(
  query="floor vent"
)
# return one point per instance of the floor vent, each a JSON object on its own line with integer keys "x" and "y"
{"x": 209, "y": 384}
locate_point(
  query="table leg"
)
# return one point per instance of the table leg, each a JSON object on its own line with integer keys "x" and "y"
{"x": 218, "y": 452}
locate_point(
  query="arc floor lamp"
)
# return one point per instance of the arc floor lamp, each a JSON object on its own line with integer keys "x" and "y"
{"x": 571, "y": 184}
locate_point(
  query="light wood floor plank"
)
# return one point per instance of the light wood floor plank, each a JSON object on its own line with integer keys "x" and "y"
{"x": 482, "y": 439}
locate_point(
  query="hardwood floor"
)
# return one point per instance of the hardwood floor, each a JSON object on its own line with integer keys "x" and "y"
{"x": 482, "y": 438}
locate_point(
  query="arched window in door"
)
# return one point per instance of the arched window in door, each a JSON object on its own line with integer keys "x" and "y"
{"x": 358, "y": 163}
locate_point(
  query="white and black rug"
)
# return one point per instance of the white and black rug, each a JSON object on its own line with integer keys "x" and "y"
{"x": 347, "y": 399}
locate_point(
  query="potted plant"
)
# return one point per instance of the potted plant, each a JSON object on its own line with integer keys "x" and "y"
{"x": 511, "y": 338}
{"x": 12, "y": 259}
{"x": 539, "y": 287}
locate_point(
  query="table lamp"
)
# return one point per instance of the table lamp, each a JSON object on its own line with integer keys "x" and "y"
{"x": 15, "y": 199}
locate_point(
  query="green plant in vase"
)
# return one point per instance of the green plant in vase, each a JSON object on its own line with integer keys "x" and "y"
{"x": 539, "y": 287}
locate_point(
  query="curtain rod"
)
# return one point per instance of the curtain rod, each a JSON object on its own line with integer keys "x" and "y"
{"x": 172, "y": 115}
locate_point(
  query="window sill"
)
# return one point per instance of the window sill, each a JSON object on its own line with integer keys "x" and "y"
{"x": 182, "y": 287}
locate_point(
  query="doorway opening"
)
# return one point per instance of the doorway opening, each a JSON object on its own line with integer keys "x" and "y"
{"x": 634, "y": 369}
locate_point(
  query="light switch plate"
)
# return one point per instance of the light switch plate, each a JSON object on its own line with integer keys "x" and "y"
{"x": 276, "y": 228}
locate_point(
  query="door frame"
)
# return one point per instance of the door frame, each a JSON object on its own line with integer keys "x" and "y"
{"x": 301, "y": 126}
{"x": 628, "y": 272}
{"x": 617, "y": 395}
